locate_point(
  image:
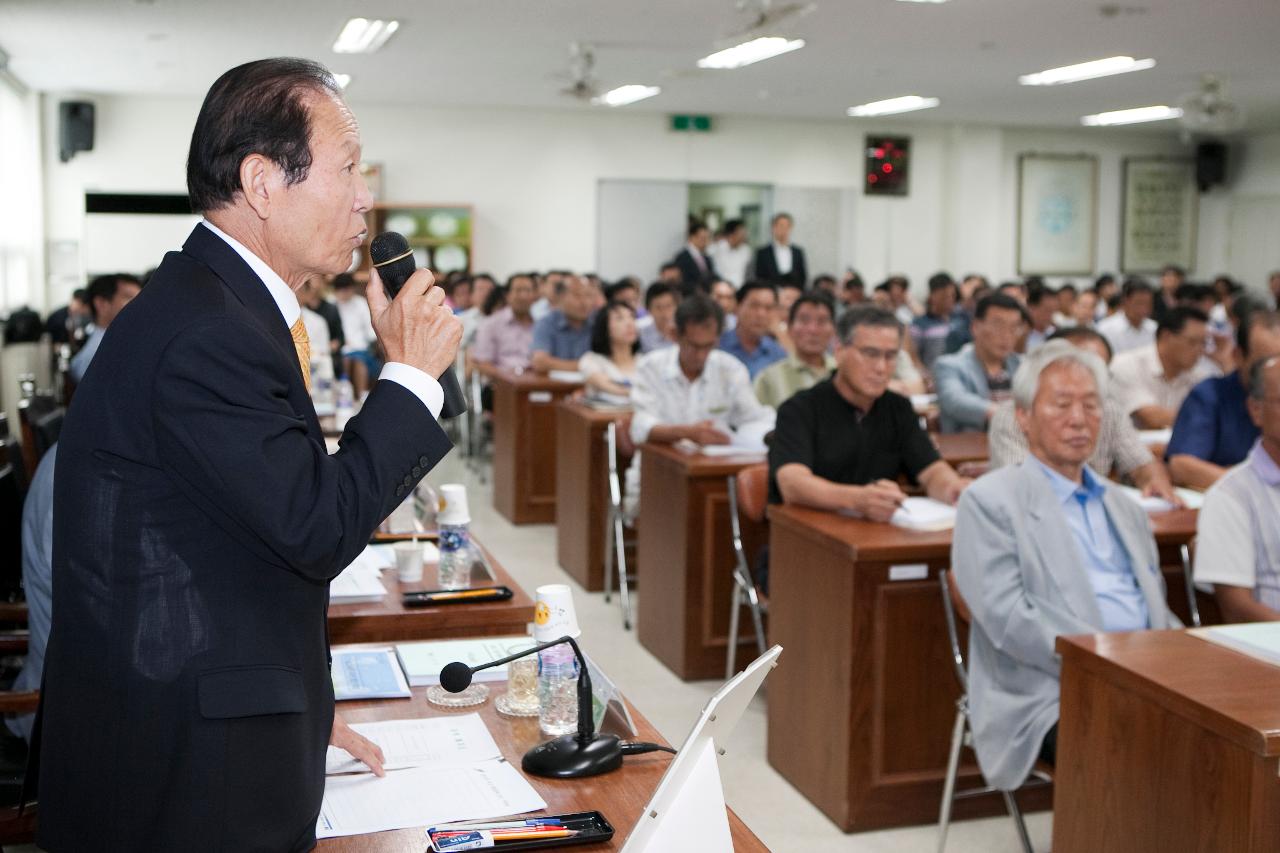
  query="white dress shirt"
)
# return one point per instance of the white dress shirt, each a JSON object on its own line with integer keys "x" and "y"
{"x": 731, "y": 264}
{"x": 1139, "y": 381}
{"x": 1123, "y": 336}
{"x": 782, "y": 258}
{"x": 423, "y": 386}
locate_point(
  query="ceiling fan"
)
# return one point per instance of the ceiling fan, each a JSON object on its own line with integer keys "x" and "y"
{"x": 581, "y": 73}
{"x": 767, "y": 18}
{"x": 1209, "y": 110}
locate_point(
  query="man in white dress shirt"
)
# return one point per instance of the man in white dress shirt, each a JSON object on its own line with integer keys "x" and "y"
{"x": 731, "y": 254}
{"x": 1152, "y": 381}
{"x": 1131, "y": 327}
{"x": 781, "y": 261}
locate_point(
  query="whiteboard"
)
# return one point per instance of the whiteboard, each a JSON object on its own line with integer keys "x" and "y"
{"x": 1057, "y": 214}
{"x": 640, "y": 225}
{"x": 131, "y": 242}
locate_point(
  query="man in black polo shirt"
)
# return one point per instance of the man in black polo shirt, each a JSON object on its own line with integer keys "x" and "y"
{"x": 843, "y": 444}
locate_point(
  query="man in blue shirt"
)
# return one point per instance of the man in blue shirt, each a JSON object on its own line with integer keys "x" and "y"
{"x": 108, "y": 294}
{"x": 750, "y": 341}
{"x": 563, "y": 334}
{"x": 1213, "y": 430}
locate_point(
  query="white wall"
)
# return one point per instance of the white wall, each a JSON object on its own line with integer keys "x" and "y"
{"x": 532, "y": 177}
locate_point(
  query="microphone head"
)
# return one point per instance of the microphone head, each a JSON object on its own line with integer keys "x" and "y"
{"x": 455, "y": 677}
{"x": 393, "y": 259}
{"x": 387, "y": 245}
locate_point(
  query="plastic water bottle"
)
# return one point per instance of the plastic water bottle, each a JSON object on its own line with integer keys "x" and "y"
{"x": 455, "y": 556}
{"x": 344, "y": 405}
{"x": 558, "y": 691}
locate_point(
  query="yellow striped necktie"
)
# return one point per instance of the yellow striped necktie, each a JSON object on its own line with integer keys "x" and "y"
{"x": 302, "y": 344}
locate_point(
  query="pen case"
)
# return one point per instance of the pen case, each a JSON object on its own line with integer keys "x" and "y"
{"x": 439, "y": 597}
{"x": 592, "y": 828}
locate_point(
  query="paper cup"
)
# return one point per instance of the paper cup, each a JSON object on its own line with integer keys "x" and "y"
{"x": 553, "y": 614}
{"x": 408, "y": 561}
{"x": 453, "y": 505}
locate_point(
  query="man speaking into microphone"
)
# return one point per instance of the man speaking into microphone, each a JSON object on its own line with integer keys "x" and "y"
{"x": 198, "y": 519}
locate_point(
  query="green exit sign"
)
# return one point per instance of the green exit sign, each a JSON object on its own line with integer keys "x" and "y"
{"x": 691, "y": 124}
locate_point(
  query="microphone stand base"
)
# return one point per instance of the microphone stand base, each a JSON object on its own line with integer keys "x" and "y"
{"x": 568, "y": 758}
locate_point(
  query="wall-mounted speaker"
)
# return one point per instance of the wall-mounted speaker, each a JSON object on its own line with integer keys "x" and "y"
{"x": 1211, "y": 165}
{"x": 75, "y": 128}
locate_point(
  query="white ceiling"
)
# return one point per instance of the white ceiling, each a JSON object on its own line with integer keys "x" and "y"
{"x": 508, "y": 52}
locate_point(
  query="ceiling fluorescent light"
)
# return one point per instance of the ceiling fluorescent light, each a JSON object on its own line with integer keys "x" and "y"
{"x": 343, "y": 80}
{"x": 923, "y": 1}
{"x": 749, "y": 52}
{"x": 905, "y": 104}
{"x": 624, "y": 95}
{"x": 1086, "y": 71}
{"x": 363, "y": 35}
{"x": 1134, "y": 116}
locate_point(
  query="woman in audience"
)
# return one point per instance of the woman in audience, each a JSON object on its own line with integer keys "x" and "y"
{"x": 610, "y": 366}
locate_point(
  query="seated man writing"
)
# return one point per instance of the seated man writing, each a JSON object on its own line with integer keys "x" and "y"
{"x": 1043, "y": 549}
{"x": 1238, "y": 547}
{"x": 843, "y": 444}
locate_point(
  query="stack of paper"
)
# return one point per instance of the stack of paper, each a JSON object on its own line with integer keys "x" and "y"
{"x": 1191, "y": 499}
{"x": 439, "y": 770}
{"x": 359, "y": 582}
{"x": 1256, "y": 639}
{"x": 747, "y": 440}
{"x": 422, "y": 662}
{"x": 573, "y": 376}
{"x": 924, "y": 514}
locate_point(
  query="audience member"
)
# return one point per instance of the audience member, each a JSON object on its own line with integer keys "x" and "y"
{"x": 610, "y": 366}
{"x": 1015, "y": 290}
{"x": 1085, "y": 312}
{"x": 457, "y": 292}
{"x": 37, "y": 581}
{"x": 1131, "y": 327}
{"x": 64, "y": 323}
{"x": 696, "y": 268}
{"x": 1105, "y": 287}
{"x": 669, "y": 273}
{"x": 1213, "y": 430}
{"x": 900, "y": 302}
{"x": 1119, "y": 449}
{"x": 548, "y": 286}
{"x": 1237, "y": 538}
{"x": 504, "y": 340}
{"x": 825, "y": 284}
{"x": 1152, "y": 381}
{"x": 731, "y": 254}
{"x": 929, "y": 331}
{"x": 1064, "y": 313}
{"x": 1044, "y": 549}
{"x": 788, "y": 293}
{"x": 108, "y": 294}
{"x": 972, "y": 289}
{"x": 749, "y": 341}
{"x": 562, "y": 336}
{"x": 781, "y": 260}
{"x": 1041, "y": 306}
{"x": 1171, "y": 278}
{"x": 358, "y": 338}
{"x": 843, "y": 444}
{"x": 853, "y": 292}
{"x": 973, "y": 381}
{"x": 660, "y": 301}
{"x": 726, "y": 296}
{"x": 812, "y": 325}
{"x": 626, "y": 291}
{"x": 312, "y": 298}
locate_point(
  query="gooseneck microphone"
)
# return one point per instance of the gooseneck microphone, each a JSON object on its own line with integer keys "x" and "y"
{"x": 393, "y": 259}
{"x": 584, "y": 754}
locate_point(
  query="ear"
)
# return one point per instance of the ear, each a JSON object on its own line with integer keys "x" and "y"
{"x": 1023, "y": 418}
{"x": 1255, "y": 410}
{"x": 258, "y": 180}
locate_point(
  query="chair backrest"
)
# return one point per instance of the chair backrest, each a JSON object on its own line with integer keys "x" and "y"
{"x": 12, "y": 487}
{"x": 753, "y": 492}
{"x": 954, "y": 607}
{"x": 31, "y": 410}
{"x": 611, "y": 454}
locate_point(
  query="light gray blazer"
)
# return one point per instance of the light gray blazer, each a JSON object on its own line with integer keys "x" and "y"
{"x": 1015, "y": 562}
{"x": 963, "y": 393}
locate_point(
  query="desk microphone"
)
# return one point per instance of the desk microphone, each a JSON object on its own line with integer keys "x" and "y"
{"x": 584, "y": 754}
{"x": 393, "y": 260}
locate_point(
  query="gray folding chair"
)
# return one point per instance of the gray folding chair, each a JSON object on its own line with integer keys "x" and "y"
{"x": 962, "y": 735}
{"x": 615, "y": 531}
{"x": 748, "y": 496}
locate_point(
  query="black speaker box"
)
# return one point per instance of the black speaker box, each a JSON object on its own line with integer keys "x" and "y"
{"x": 75, "y": 128}
{"x": 1211, "y": 164}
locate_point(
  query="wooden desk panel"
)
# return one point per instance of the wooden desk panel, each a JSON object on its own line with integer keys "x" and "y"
{"x": 582, "y": 490}
{"x": 686, "y": 559}
{"x": 1168, "y": 742}
{"x": 389, "y": 621}
{"x": 620, "y": 795}
{"x": 860, "y": 714}
{"x": 958, "y": 447}
{"x": 524, "y": 446}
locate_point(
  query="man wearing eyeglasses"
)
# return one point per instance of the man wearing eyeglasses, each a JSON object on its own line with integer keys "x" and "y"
{"x": 974, "y": 381}
{"x": 1152, "y": 381}
{"x": 843, "y": 444}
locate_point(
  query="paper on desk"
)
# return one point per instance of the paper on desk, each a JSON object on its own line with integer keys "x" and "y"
{"x": 1259, "y": 640}
{"x": 423, "y": 796}
{"x": 747, "y": 440}
{"x": 360, "y": 581}
{"x": 575, "y": 376}
{"x": 1151, "y": 437}
{"x": 1191, "y": 499}
{"x": 435, "y": 742}
{"x": 921, "y": 402}
{"x": 924, "y": 514}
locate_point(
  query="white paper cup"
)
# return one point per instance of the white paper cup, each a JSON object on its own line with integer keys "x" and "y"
{"x": 453, "y": 505}
{"x": 408, "y": 561}
{"x": 553, "y": 613}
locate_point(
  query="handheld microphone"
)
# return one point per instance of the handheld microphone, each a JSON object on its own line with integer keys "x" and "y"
{"x": 393, "y": 260}
{"x": 571, "y": 756}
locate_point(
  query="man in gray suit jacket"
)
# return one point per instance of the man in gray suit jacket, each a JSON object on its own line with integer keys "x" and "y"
{"x": 1044, "y": 549}
{"x": 973, "y": 381}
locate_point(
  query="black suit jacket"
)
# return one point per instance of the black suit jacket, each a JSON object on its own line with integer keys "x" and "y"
{"x": 766, "y": 267}
{"x": 198, "y": 521}
{"x": 691, "y": 273}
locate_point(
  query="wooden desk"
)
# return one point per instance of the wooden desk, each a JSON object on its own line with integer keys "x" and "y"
{"x": 686, "y": 557}
{"x": 959, "y": 447}
{"x": 582, "y": 490}
{"x": 388, "y": 620}
{"x": 620, "y": 795}
{"x": 860, "y": 714}
{"x": 1166, "y": 742}
{"x": 524, "y": 446}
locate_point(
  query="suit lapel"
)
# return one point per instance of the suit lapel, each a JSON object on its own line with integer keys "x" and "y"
{"x": 979, "y": 374}
{"x": 1140, "y": 563}
{"x": 1052, "y": 541}
{"x": 215, "y": 253}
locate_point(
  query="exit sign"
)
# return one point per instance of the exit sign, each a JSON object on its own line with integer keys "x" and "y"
{"x": 691, "y": 124}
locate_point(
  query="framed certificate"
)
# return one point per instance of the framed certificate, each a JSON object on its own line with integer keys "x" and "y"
{"x": 1159, "y": 220}
{"x": 1057, "y": 214}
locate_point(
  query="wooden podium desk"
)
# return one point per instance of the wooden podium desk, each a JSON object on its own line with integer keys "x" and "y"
{"x": 1165, "y": 742}
{"x": 686, "y": 559}
{"x": 861, "y": 709}
{"x": 388, "y": 620}
{"x": 582, "y": 490}
{"x": 524, "y": 445}
{"x": 620, "y": 795}
{"x": 959, "y": 447}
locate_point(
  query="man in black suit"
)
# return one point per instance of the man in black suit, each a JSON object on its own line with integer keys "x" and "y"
{"x": 780, "y": 262}
{"x": 198, "y": 519}
{"x": 696, "y": 268}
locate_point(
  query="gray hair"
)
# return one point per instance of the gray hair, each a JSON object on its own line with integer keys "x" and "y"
{"x": 866, "y": 315}
{"x": 1026, "y": 382}
{"x": 1257, "y": 377}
